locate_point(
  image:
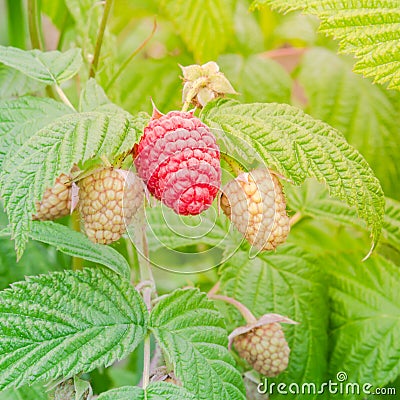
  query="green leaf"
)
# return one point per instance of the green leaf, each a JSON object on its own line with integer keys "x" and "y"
{"x": 391, "y": 224}
{"x": 123, "y": 393}
{"x": 248, "y": 38}
{"x": 256, "y": 78}
{"x": 155, "y": 391}
{"x": 38, "y": 259}
{"x": 297, "y": 30}
{"x": 314, "y": 201}
{"x": 53, "y": 150}
{"x": 21, "y": 118}
{"x": 146, "y": 79}
{"x": 25, "y": 393}
{"x": 191, "y": 333}
{"x": 206, "y": 27}
{"x": 14, "y": 83}
{"x": 298, "y": 146}
{"x": 289, "y": 283}
{"x": 93, "y": 97}
{"x": 365, "y": 322}
{"x": 52, "y": 67}
{"x": 62, "y": 324}
{"x": 167, "y": 229}
{"x": 78, "y": 245}
{"x": 366, "y": 114}
{"x": 367, "y": 29}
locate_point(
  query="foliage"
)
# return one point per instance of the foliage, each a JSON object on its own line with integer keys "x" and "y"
{"x": 352, "y": 105}
{"x": 288, "y": 283}
{"x": 49, "y": 336}
{"x": 186, "y": 319}
{"x": 86, "y": 317}
{"x": 297, "y": 146}
{"x": 367, "y": 29}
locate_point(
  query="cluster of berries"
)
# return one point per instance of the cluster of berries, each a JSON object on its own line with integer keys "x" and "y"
{"x": 179, "y": 161}
{"x": 107, "y": 200}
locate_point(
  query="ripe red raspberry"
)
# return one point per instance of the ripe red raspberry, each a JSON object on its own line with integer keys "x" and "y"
{"x": 179, "y": 160}
{"x": 108, "y": 200}
{"x": 56, "y": 201}
{"x": 256, "y": 205}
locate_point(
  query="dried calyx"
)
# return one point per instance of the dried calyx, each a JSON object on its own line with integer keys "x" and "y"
{"x": 203, "y": 83}
{"x": 162, "y": 374}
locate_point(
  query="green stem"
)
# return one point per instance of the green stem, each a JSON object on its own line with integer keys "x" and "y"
{"x": 16, "y": 26}
{"x": 214, "y": 289}
{"x": 295, "y": 218}
{"x": 77, "y": 263}
{"x": 99, "y": 41}
{"x": 34, "y": 21}
{"x": 247, "y": 314}
{"x": 147, "y": 362}
{"x": 63, "y": 96}
{"x": 132, "y": 56}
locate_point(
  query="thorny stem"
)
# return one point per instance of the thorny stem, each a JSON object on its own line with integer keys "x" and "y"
{"x": 146, "y": 286}
{"x": 247, "y": 314}
{"x": 99, "y": 41}
{"x": 64, "y": 97}
{"x": 147, "y": 362}
{"x": 132, "y": 56}
{"x": 146, "y": 274}
{"x": 34, "y": 24}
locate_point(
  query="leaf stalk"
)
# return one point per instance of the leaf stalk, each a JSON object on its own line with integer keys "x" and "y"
{"x": 247, "y": 314}
{"x": 100, "y": 36}
{"x": 34, "y": 22}
{"x": 64, "y": 97}
{"x": 132, "y": 56}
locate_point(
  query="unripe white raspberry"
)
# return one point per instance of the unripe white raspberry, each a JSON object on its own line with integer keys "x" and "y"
{"x": 56, "y": 201}
{"x": 255, "y": 203}
{"x": 108, "y": 200}
{"x": 264, "y": 348}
